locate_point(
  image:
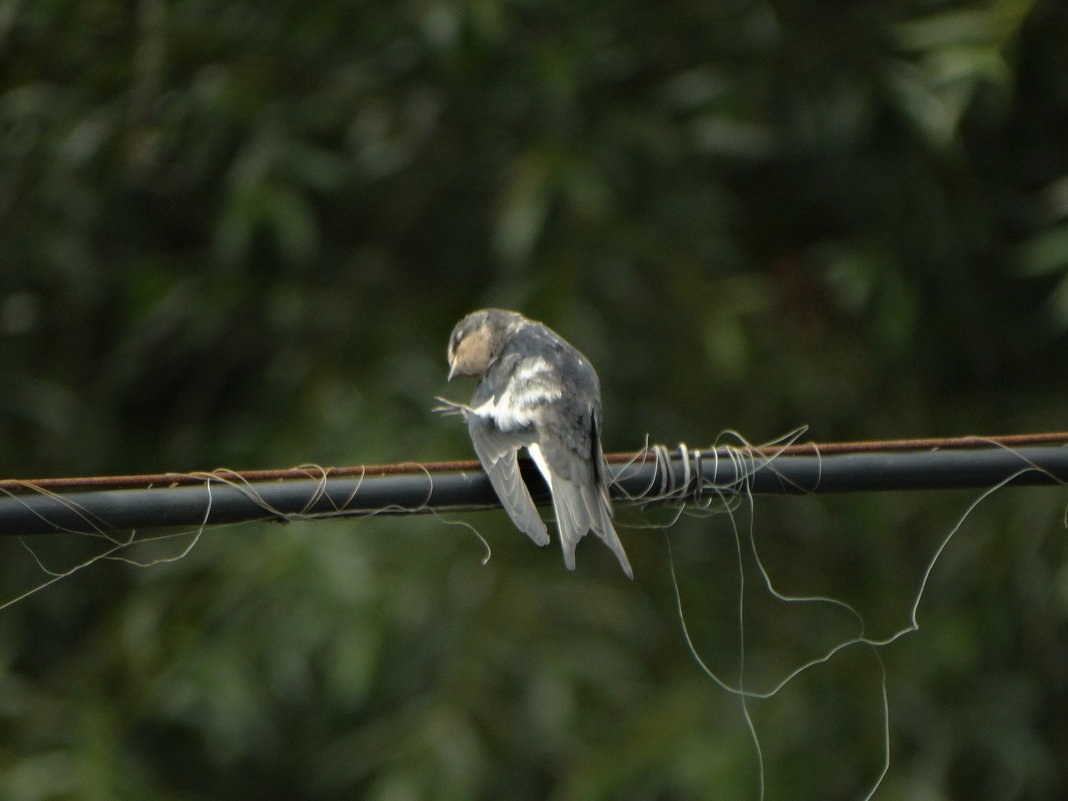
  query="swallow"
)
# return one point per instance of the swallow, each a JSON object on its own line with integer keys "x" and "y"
{"x": 536, "y": 391}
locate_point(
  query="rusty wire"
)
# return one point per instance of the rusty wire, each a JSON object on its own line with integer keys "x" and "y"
{"x": 467, "y": 465}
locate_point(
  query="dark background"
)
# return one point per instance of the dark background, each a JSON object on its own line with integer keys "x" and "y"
{"x": 239, "y": 234}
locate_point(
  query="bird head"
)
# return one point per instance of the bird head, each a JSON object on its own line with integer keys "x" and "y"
{"x": 476, "y": 340}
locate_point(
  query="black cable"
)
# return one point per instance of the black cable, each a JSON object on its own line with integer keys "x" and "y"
{"x": 661, "y": 477}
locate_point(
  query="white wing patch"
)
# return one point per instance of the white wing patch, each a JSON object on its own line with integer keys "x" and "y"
{"x": 530, "y": 386}
{"x": 534, "y": 449}
{"x": 529, "y": 368}
{"x": 533, "y": 384}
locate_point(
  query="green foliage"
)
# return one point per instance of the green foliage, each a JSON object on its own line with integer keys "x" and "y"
{"x": 239, "y": 233}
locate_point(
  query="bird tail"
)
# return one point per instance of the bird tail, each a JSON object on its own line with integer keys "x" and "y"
{"x": 580, "y": 510}
{"x": 600, "y": 516}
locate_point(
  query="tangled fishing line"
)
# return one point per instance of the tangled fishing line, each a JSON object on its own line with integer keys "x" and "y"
{"x": 700, "y": 498}
{"x": 718, "y": 481}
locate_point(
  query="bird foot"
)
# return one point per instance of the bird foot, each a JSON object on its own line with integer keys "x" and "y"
{"x": 450, "y": 408}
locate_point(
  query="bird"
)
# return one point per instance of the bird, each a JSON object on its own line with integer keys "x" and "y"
{"x": 535, "y": 391}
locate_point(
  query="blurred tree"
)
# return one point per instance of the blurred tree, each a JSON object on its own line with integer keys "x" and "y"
{"x": 239, "y": 234}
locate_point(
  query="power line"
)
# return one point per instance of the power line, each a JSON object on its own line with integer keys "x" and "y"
{"x": 151, "y": 480}
{"x": 107, "y": 504}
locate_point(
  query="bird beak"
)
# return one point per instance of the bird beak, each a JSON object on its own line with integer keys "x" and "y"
{"x": 452, "y": 371}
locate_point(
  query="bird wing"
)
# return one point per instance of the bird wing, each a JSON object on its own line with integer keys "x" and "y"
{"x": 496, "y": 451}
{"x": 568, "y": 454}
